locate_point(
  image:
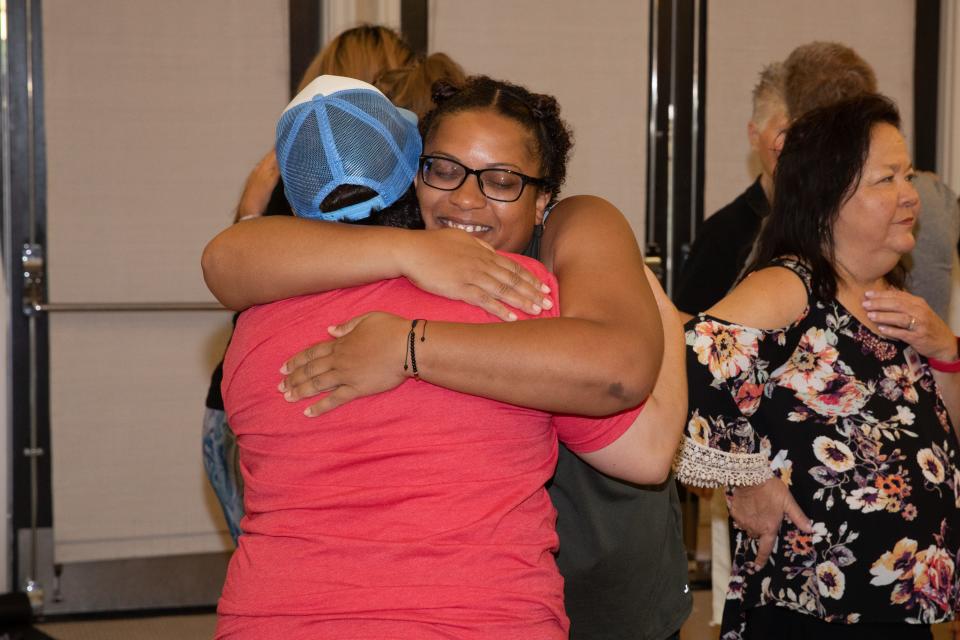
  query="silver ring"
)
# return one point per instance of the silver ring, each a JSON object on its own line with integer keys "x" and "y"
{"x": 913, "y": 321}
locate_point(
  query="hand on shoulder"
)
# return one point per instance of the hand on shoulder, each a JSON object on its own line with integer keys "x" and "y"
{"x": 771, "y": 298}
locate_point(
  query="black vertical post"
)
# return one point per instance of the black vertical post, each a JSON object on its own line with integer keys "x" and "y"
{"x": 26, "y": 195}
{"x": 675, "y": 148}
{"x": 926, "y": 74}
{"x": 413, "y": 24}
{"x": 305, "y": 38}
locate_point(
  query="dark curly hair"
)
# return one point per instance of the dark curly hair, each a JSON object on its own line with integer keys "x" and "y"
{"x": 817, "y": 172}
{"x": 536, "y": 112}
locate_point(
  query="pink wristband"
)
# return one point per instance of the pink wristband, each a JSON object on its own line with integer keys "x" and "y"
{"x": 943, "y": 366}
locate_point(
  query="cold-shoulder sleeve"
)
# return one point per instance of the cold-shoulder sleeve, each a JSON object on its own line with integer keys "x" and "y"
{"x": 725, "y": 378}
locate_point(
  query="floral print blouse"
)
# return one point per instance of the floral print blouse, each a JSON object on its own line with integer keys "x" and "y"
{"x": 854, "y": 424}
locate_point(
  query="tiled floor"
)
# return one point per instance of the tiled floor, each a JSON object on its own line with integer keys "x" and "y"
{"x": 698, "y": 626}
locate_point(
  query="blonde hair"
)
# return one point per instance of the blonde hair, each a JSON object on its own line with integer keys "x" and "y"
{"x": 411, "y": 87}
{"x": 363, "y": 53}
{"x": 768, "y": 93}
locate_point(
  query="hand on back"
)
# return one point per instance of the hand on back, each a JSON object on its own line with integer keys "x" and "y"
{"x": 365, "y": 357}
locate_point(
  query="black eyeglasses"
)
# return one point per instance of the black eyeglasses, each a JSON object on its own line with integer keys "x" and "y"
{"x": 502, "y": 185}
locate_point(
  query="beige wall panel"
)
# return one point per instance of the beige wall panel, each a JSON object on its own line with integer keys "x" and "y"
{"x": 744, "y": 35}
{"x": 128, "y": 477}
{"x": 155, "y": 113}
{"x": 591, "y": 55}
{"x": 949, "y": 144}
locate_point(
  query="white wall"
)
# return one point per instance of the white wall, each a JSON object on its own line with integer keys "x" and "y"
{"x": 591, "y": 55}
{"x": 340, "y": 15}
{"x": 155, "y": 113}
{"x": 745, "y": 35}
{"x": 949, "y": 142}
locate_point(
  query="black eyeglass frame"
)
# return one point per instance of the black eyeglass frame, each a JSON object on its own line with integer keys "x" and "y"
{"x": 467, "y": 171}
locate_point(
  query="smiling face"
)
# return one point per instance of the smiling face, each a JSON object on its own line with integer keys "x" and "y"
{"x": 483, "y": 139}
{"x": 875, "y": 226}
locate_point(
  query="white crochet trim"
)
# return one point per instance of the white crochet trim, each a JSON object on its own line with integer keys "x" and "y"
{"x": 701, "y": 466}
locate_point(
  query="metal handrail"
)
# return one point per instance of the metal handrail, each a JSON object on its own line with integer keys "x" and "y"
{"x": 125, "y": 306}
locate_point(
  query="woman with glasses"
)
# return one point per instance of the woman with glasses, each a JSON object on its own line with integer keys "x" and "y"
{"x": 494, "y": 159}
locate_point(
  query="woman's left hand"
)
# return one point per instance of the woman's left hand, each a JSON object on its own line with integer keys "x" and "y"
{"x": 907, "y": 317}
{"x": 365, "y": 357}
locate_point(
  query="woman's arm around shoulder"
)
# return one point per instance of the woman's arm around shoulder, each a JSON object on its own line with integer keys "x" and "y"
{"x": 266, "y": 259}
{"x": 275, "y": 257}
{"x": 601, "y": 356}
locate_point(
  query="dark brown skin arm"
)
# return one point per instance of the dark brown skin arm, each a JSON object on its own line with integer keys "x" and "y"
{"x": 272, "y": 258}
{"x": 600, "y": 357}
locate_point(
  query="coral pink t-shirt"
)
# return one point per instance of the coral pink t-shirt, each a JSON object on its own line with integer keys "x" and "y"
{"x": 416, "y": 513}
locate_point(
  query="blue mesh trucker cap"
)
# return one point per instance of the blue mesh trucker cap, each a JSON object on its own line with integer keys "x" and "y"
{"x": 345, "y": 131}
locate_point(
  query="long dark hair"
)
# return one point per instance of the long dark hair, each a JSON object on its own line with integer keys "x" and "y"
{"x": 817, "y": 172}
{"x": 536, "y": 112}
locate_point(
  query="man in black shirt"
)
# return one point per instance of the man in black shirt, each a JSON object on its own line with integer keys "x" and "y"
{"x": 725, "y": 239}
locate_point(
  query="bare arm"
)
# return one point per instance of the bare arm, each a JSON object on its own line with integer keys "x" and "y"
{"x": 276, "y": 257}
{"x": 267, "y": 259}
{"x": 645, "y": 452}
{"x": 600, "y": 357}
{"x": 259, "y": 186}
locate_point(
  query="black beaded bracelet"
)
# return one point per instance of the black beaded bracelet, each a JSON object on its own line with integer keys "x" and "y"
{"x": 411, "y": 355}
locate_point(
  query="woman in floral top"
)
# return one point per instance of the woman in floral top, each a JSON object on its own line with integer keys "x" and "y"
{"x": 818, "y": 369}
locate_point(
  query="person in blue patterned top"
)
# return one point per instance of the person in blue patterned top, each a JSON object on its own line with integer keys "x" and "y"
{"x": 819, "y": 375}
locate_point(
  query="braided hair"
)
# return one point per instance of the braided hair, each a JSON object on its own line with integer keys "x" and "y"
{"x": 536, "y": 112}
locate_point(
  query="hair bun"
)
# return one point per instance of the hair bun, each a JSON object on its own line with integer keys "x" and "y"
{"x": 544, "y": 107}
{"x": 443, "y": 91}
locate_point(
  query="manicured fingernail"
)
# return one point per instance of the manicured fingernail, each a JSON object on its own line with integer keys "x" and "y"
{"x": 288, "y": 396}
{"x": 284, "y": 369}
{"x": 282, "y": 387}
{"x": 308, "y": 412}
{"x": 511, "y": 316}
{"x": 870, "y": 293}
{"x": 544, "y": 288}
{"x": 872, "y": 315}
{"x": 536, "y": 309}
{"x": 867, "y": 304}
{"x": 547, "y": 303}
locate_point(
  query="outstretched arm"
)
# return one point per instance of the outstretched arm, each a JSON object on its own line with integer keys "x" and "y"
{"x": 600, "y": 357}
